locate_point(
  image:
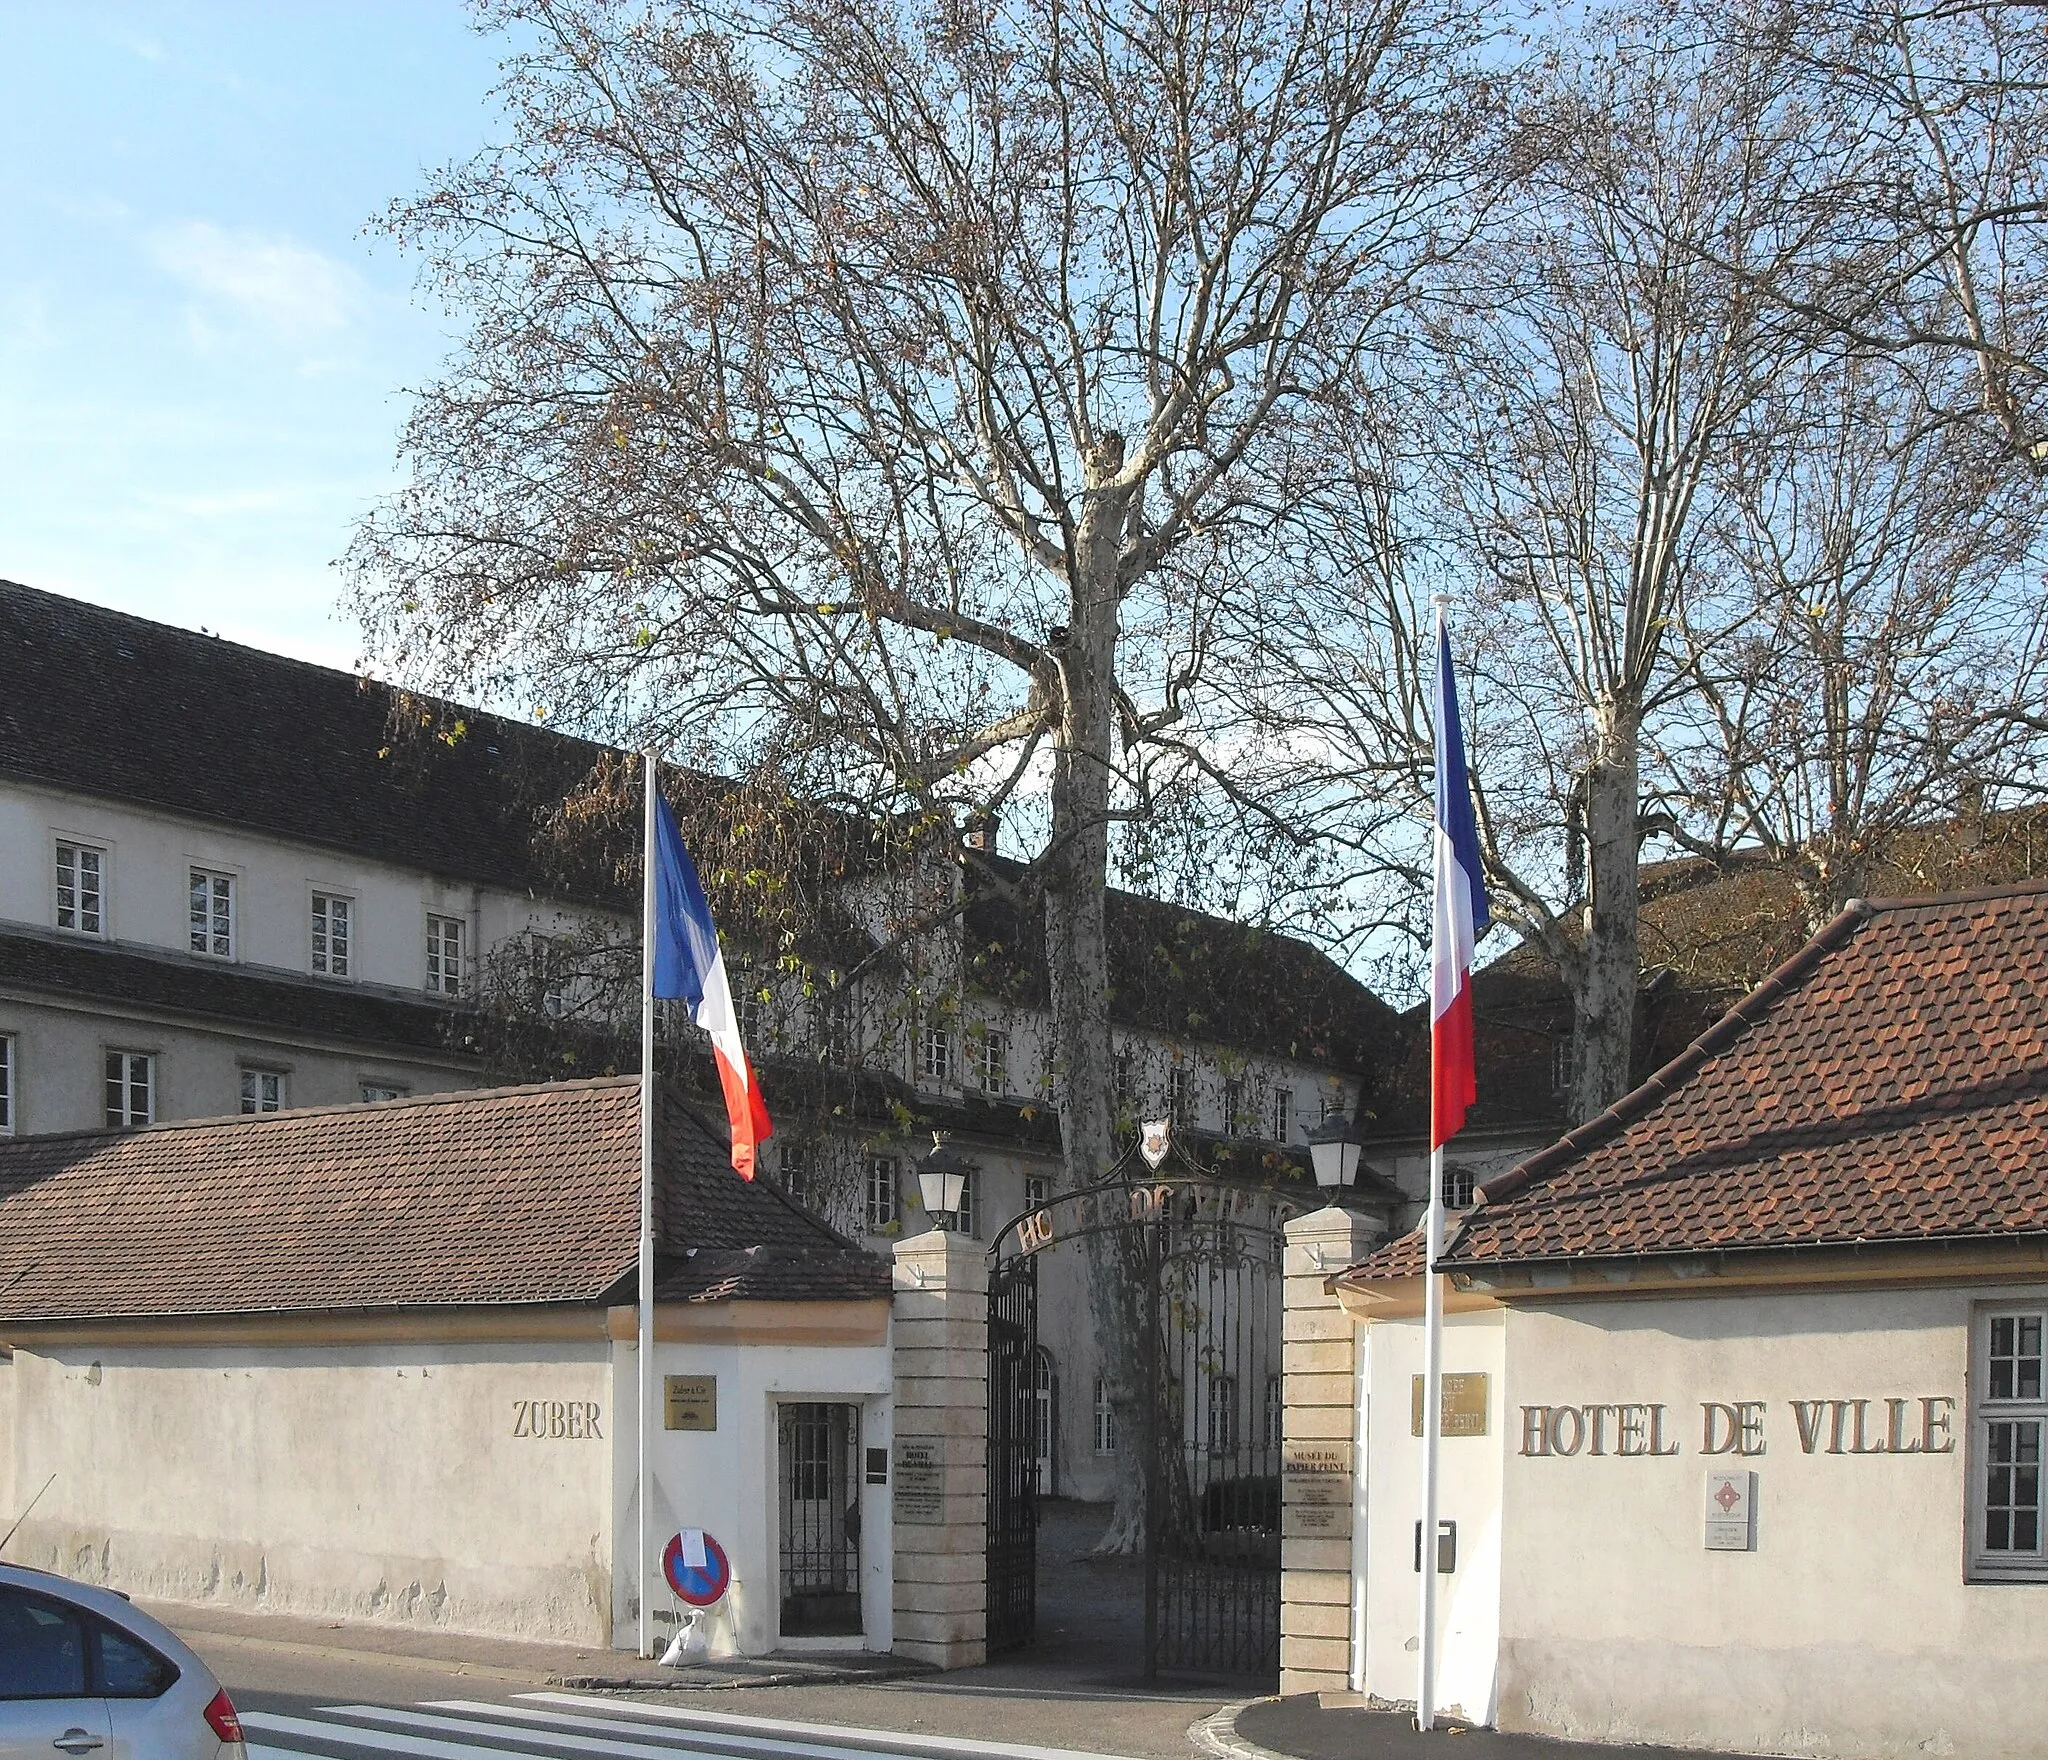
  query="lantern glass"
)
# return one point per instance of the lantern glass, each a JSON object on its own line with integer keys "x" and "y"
{"x": 1334, "y": 1152}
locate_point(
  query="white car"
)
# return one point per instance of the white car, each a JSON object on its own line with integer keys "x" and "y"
{"x": 84, "y": 1674}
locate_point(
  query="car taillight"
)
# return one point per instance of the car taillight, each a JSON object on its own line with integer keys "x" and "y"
{"x": 220, "y": 1714}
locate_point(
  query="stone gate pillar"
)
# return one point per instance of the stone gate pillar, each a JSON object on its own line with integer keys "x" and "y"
{"x": 1318, "y": 1423}
{"x": 939, "y": 1476}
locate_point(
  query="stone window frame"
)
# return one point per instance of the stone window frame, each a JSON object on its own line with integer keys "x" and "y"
{"x": 446, "y": 953}
{"x": 2021, "y": 1411}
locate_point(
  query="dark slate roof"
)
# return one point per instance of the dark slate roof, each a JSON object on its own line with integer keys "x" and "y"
{"x": 504, "y": 1197}
{"x": 1188, "y": 975}
{"x": 1888, "y": 1084}
{"x": 245, "y": 997}
{"x": 210, "y": 728}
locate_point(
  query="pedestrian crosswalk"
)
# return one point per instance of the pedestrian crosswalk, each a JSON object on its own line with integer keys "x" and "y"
{"x": 574, "y": 1726}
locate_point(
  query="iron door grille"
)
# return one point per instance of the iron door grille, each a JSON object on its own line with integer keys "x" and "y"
{"x": 817, "y": 1449}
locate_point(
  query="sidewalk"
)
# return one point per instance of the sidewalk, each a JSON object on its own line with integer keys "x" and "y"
{"x": 1302, "y": 1728}
{"x": 510, "y": 1659}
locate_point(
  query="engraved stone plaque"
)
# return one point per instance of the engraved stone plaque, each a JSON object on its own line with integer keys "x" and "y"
{"x": 919, "y": 1493}
{"x": 1731, "y": 1511}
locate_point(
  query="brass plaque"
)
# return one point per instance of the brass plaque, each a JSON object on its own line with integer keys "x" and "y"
{"x": 690, "y": 1402}
{"x": 1464, "y": 1412}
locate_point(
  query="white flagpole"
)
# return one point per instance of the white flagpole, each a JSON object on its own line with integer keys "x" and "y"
{"x": 1432, "y": 1425}
{"x": 645, "y": 1352}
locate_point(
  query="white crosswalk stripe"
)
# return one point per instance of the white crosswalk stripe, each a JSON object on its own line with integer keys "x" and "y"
{"x": 572, "y": 1726}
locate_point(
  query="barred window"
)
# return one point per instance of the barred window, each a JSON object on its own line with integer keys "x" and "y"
{"x": 444, "y": 956}
{"x": 1275, "y": 1408}
{"x": 881, "y": 1205}
{"x": 262, "y": 1090}
{"x": 131, "y": 1088}
{"x": 212, "y": 914}
{"x": 333, "y": 934}
{"x": 81, "y": 888}
{"x": 2009, "y": 1539}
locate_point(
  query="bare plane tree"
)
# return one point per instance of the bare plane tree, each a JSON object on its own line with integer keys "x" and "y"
{"x": 886, "y": 399}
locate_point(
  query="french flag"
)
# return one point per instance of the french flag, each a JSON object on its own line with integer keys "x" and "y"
{"x": 1460, "y": 916}
{"x": 687, "y": 964}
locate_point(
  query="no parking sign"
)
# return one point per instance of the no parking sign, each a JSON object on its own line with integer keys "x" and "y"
{"x": 696, "y": 1567}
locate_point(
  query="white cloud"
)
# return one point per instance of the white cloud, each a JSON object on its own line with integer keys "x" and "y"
{"x": 266, "y": 279}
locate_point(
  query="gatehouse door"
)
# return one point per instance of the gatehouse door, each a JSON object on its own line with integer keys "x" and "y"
{"x": 818, "y": 1470}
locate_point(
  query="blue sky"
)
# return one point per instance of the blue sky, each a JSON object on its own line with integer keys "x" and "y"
{"x": 203, "y": 353}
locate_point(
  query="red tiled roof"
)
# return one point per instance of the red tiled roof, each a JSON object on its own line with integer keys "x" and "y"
{"x": 1888, "y": 1083}
{"x": 510, "y": 1196}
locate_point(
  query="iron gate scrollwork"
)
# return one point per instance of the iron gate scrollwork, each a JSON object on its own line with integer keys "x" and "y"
{"x": 1209, "y": 1411}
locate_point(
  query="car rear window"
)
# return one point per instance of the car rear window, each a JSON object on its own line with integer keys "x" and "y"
{"x": 42, "y": 1648}
{"x": 129, "y": 1668}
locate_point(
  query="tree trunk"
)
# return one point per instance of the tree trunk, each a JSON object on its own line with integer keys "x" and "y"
{"x": 1077, "y": 949}
{"x": 1603, "y": 1022}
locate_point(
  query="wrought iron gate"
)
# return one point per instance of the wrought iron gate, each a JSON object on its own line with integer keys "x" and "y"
{"x": 1012, "y": 1455}
{"x": 1209, "y": 1407}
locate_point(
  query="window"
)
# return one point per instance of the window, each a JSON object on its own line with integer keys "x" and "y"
{"x": 2011, "y": 1412}
{"x": 937, "y": 1059}
{"x": 1180, "y": 1094}
{"x": 1105, "y": 1419}
{"x": 832, "y": 1015}
{"x": 334, "y": 937}
{"x": 42, "y": 1648}
{"x": 756, "y": 1024}
{"x": 1233, "y": 1107}
{"x": 1037, "y": 1191}
{"x": 992, "y": 1066}
{"x": 1222, "y": 1414}
{"x": 1280, "y": 1115}
{"x": 1457, "y": 1192}
{"x": 444, "y": 956}
{"x": 212, "y": 914}
{"x": 1564, "y": 1068}
{"x": 1275, "y": 1408}
{"x": 81, "y": 888}
{"x": 881, "y": 1208}
{"x": 262, "y": 1090}
{"x": 375, "y": 1091}
{"x": 131, "y": 1088}
{"x": 128, "y": 1668}
{"x": 6, "y": 1084}
{"x": 1124, "y": 1081}
{"x": 796, "y": 1172}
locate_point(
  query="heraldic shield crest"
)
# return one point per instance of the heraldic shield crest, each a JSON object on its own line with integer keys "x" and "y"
{"x": 1157, "y": 1140}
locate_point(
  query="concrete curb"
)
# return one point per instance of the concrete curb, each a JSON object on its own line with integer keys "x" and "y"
{"x": 684, "y": 1683}
{"x": 1216, "y": 1735}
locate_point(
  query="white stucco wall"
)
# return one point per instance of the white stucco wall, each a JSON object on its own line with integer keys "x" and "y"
{"x": 724, "y": 1481}
{"x": 1468, "y": 1493}
{"x": 348, "y": 1481}
{"x": 1849, "y": 1630}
